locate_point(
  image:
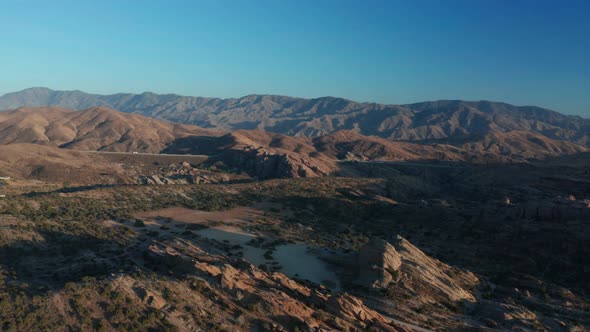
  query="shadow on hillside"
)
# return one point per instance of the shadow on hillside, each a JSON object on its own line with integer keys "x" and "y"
{"x": 67, "y": 190}
{"x": 37, "y": 266}
{"x": 198, "y": 145}
{"x": 60, "y": 258}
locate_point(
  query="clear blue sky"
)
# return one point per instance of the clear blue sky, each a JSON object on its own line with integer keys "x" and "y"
{"x": 522, "y": 52}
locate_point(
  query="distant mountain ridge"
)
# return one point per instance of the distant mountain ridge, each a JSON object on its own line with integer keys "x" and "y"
{"x": 447, "y": 121}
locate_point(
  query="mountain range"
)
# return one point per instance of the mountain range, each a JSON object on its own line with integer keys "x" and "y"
{"x": 445, "y": 121}
{"x": 261, "y": 154}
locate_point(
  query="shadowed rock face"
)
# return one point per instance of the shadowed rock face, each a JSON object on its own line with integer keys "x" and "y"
{"x": 431, "y": 272}
{"x": 379, "y": 263}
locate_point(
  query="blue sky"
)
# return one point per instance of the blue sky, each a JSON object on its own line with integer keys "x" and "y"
{"x": 522, "y": 52}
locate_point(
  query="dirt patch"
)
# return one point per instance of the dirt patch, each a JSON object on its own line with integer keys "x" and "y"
{"x": 235, "y": 216}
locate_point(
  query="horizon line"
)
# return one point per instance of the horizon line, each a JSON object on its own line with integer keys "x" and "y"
{"x": 288, "y": 96}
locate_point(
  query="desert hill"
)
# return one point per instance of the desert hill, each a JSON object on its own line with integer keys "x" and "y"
{"x": 345, "y": 144}
{"x": 517, "y": 145}
{"x": 94, "y": 129}
{"x": 47, "y": 163}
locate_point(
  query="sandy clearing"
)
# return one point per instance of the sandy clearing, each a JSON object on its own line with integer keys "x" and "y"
{"x": 239, "y": 215}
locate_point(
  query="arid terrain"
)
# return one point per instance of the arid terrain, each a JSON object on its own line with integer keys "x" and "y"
{"x": 445, "y": 120}
{"x": 290, "y": 215}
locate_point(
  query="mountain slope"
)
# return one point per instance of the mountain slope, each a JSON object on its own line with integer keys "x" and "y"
{"x": 347, "y": 144}
{"x": 518, "y": 145}
{"x": 48, "y": 163}
{"x": 259, "y": 153}
{"x": 96, "y": 129}
{"x": 450, "y": 121}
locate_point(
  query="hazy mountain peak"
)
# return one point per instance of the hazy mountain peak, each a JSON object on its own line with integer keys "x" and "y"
{"x": 35, "y": 89}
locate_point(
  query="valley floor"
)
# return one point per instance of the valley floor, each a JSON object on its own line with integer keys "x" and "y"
{"x": 396, "y": 248}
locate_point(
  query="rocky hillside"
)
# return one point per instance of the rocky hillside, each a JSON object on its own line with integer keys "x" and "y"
{"x": 261, "y": 154}
{"x": 514, "y": 145}
{"x": 269, "y": 155}
{"x": 347, "y": 144}
{"x": 448, "y": 120}
{"x": 94, "y": 129}
{"x": 46, "y": 163}
{"x": 49, "y": 164}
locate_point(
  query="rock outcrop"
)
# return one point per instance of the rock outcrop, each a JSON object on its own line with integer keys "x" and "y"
{"x": 184, "y": 173}
{"x": 400, "y": 264}
{"x": 287, "y": 301}
{"x": 267, "y": 164}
